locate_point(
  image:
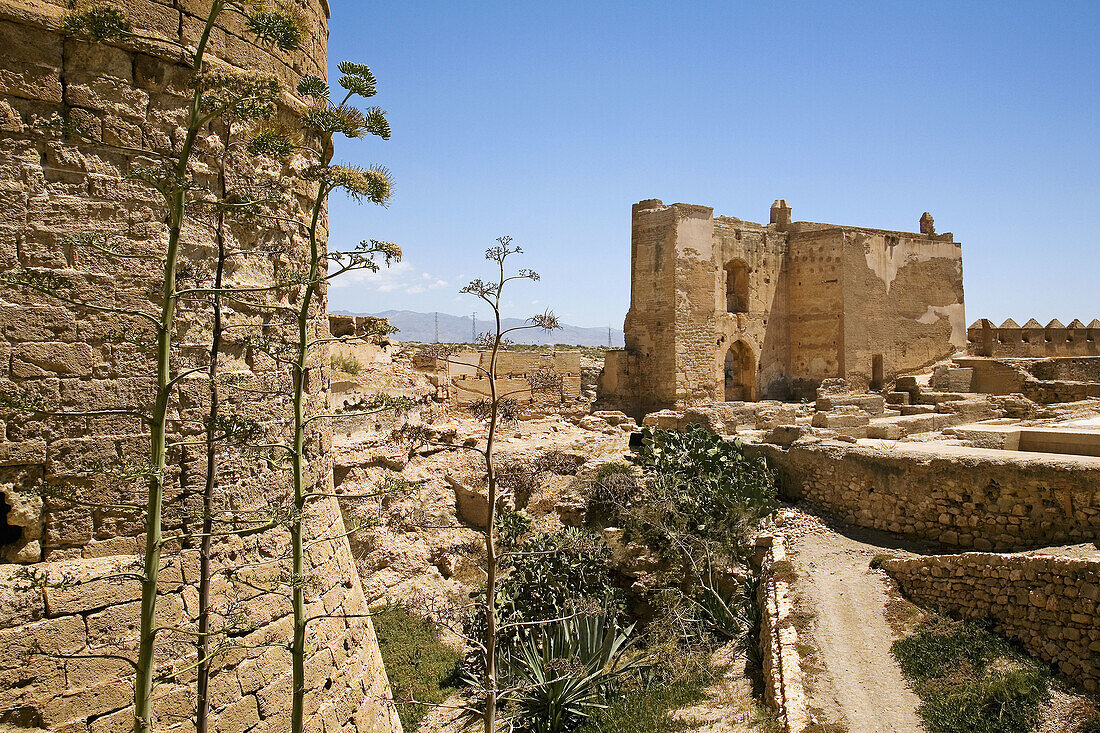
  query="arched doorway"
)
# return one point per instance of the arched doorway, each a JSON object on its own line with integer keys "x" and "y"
{"x": 740, "y": 373}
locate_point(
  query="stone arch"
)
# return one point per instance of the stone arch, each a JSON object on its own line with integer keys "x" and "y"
{"x": 739, "y": 373}
{"x": 737, "y": 286}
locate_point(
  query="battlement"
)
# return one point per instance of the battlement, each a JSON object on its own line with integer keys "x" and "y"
{"x": 1033, "y": 339}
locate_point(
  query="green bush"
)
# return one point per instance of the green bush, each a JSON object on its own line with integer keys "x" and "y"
{"x": 545, "y": 576}
{"x": 971, "y": 680}
{"x": 419, "y": 665}
{"x": 613, "y": 488}
{"x": 704, "y": 485}
{"x": 647, "y": 707}
{"x": 345, "y": 363}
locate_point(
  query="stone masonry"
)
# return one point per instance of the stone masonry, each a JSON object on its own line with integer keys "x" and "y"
{"x": 135, "y": 95}
{"x": 723, "y": 309}
{"x": 958, "y": 497}
{"x": 1048, "y": 603}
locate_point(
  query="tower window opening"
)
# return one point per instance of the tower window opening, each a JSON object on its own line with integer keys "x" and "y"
{"x": 737, "y": 287}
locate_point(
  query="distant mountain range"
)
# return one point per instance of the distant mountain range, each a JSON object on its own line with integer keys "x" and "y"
{"x": 458, "y": 329}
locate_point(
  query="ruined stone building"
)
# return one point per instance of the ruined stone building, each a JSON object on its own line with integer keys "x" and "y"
{"x": 723, "y": 309}
{"x": 134, "y": 93}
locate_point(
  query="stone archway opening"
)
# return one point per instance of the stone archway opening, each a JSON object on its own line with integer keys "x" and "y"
{"x": 739, "y": 370}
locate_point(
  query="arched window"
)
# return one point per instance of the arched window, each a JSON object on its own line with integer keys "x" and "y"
{"x": 737, "y": 287}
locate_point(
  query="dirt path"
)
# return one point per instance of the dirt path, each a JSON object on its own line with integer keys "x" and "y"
{"x": 855, "y": 680}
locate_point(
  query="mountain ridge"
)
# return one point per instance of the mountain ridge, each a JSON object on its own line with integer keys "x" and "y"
{"x": 416, "y": 326}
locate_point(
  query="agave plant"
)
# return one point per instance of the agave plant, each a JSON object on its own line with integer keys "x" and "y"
{"x": 560, "y": 676}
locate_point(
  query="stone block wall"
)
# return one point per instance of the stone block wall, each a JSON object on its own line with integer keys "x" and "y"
{"x": 903, "y": 301}
{"x": 784, "y": 689}
{"x": 467, "y": 381}
{"x": 1048, "y": 603}
{"x": 981, "y": 499}
{"x": 135, "y": 94}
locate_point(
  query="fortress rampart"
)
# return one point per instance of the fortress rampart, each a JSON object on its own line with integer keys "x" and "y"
{"x": 1033, "y": 339}
{"x": 135, "y": 95}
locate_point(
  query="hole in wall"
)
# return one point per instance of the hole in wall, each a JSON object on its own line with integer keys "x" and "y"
{"x": 22, "y": 717}
{"x": 10, "y": 534}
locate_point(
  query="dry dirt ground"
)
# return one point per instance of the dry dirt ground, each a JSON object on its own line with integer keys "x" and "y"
{"x": 842, "y": 606}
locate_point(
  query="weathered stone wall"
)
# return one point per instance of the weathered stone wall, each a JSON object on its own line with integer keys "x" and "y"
{"x": 1033, "y": 339}
{"x": 784, "y": 690}
{"x": 815, "y": 276}
{"x": 768, "y": 312}
{"x": 1048, "y": 603}
{"x": 903, "y": 301}
{"x": 136, "y": 95}
{"x": 972, "y": 498}
{"x": 466, "y": 375}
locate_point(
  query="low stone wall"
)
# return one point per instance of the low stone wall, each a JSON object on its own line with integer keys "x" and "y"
{"x": 783, "y": 688}
{"x": 1048, "y": 603}
{"x": 971, "y": 498}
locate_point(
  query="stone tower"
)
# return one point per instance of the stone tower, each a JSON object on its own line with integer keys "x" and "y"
{"x": 723, "y": 309}
{"x": 132, "y": 94}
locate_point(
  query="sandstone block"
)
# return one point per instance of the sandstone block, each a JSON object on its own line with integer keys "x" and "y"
{"x": 51, "y": 358}
{"x": 38, "y": 73}
{"x": 23, "y": 453}
{"x": 78, "y": 586}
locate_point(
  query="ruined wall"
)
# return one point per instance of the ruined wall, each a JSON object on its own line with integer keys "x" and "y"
{"x": 1048, "y": 603}
{"x": 763, "y": 325}
{"x": 75, "y": 360}
{"x": 1033, "y": 339}
{"x": 903, "y": 300}
{"x": 972, "y": 498}
{"x": 815, "y": 274}
{"x": 467, "y": 381}
{"x": 696, "y": 298}
{"x": 784, "y": 688}
{"x": 790, "y": 304}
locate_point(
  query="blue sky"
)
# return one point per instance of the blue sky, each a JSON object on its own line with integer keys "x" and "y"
{"x": 546, "y": 121}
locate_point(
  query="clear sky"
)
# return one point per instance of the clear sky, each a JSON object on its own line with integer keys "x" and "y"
{"x": 546, "y": 121}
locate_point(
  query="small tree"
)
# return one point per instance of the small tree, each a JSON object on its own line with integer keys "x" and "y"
{"x": 491, "y": 291}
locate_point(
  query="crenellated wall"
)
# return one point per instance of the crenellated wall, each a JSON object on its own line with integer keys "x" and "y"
{"x": 135, "y": 94}
{"x": 1032, "y": 339}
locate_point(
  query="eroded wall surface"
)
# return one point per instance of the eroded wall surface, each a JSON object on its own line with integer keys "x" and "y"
{"x": 1048, "y": 603}
{"x": 903, "y": 300}
{"x": 75, "y": 360}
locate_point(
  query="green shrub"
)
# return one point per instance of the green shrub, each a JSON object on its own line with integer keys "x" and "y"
{"x": 345, "y": 363}
{"x": 971, "y": 680}
{"x": 878, "y": 560}
{"x": 419, "y": 665}
{"x": 546, "y": 576}
{"x": 647, "y": 706}
{"x": 613, "y": 488}
{"x": 705, "y": 485}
